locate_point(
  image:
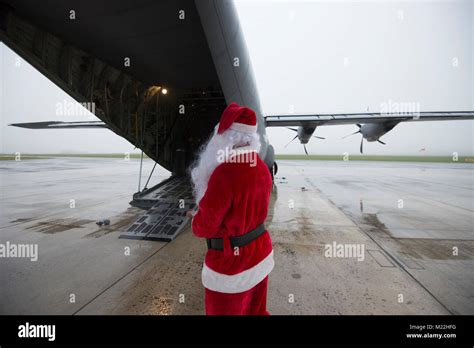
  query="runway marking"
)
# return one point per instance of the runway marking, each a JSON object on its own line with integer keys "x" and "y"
{"x": 61, "y": 212}
{"x": 427, "y": 200}
{"x": 381, "y": 258}
{"x": 119, "y": 279}
{"x": 431, "y": 182}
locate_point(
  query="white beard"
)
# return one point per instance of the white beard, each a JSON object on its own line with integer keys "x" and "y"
{"x": 208, "y": 158}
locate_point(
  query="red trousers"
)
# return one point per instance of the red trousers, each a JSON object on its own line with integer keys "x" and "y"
{"x": 250, "y": 302}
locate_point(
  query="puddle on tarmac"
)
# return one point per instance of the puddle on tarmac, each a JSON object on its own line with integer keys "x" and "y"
{"x": 437, "y": 249}
{"x": 20, "y": 220}
{"x": 117, "y": 224}
{"x": 58, "y": 225}
{"x": 420, "y": 248}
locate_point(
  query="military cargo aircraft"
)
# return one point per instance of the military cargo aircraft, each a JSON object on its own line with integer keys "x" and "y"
{"x": 159, "y": 74}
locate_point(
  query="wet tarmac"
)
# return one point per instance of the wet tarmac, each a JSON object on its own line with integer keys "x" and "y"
{"x": 412, "y": 222}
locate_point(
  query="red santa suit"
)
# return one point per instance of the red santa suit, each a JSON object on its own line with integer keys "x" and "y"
{"x": 236, "y": 202}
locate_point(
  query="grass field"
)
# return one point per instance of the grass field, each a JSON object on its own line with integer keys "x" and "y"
{"x": 4, "y": 157}
{"x": 11, "y": 157}
{"x": 432, "y": 159}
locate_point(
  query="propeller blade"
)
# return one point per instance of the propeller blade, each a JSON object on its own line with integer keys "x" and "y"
{"x": 359, "y": 125}
{"x": 351, "y": 134}
{"x": 293, "y": 129}
{"x": 306, "y": 151}
{"x": 381, "y": 142}
{"x": 318, "y": 137}
{"x": 296, "y": 136}
{"x": 362, "y": 145}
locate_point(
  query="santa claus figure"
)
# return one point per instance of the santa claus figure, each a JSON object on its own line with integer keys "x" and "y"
{"x": 232, "y": 187}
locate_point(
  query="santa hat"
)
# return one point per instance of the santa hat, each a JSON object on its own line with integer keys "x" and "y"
{"x": 239, "y": 118}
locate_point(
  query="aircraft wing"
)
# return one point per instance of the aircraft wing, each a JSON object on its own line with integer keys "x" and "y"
{"x": 364, "y": 117}
{"x": 61, "y": 125}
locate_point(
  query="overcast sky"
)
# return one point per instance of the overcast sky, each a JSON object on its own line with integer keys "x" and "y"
{"x": 310, "y": 57}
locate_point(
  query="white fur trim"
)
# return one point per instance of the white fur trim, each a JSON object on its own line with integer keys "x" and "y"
{"x": 241, "y": 127}
{"x": 246, "y": 151}
{"x": 240, "y": 282}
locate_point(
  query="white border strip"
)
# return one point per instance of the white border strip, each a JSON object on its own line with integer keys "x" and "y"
{"x": 240, "y": 282}
{"x": 244, "y": 128}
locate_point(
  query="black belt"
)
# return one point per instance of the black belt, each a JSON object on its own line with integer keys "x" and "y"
{"x": 218, "y": 243}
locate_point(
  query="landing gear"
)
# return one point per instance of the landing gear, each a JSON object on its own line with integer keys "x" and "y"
{"x": 273, "y": 170}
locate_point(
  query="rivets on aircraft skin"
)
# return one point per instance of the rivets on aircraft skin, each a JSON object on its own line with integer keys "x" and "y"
{"x": 399, "y": 108}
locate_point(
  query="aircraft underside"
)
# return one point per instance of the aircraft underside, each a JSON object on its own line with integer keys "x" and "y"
{"x": 159, "y": 74}
{"x": 123, "y": 72}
